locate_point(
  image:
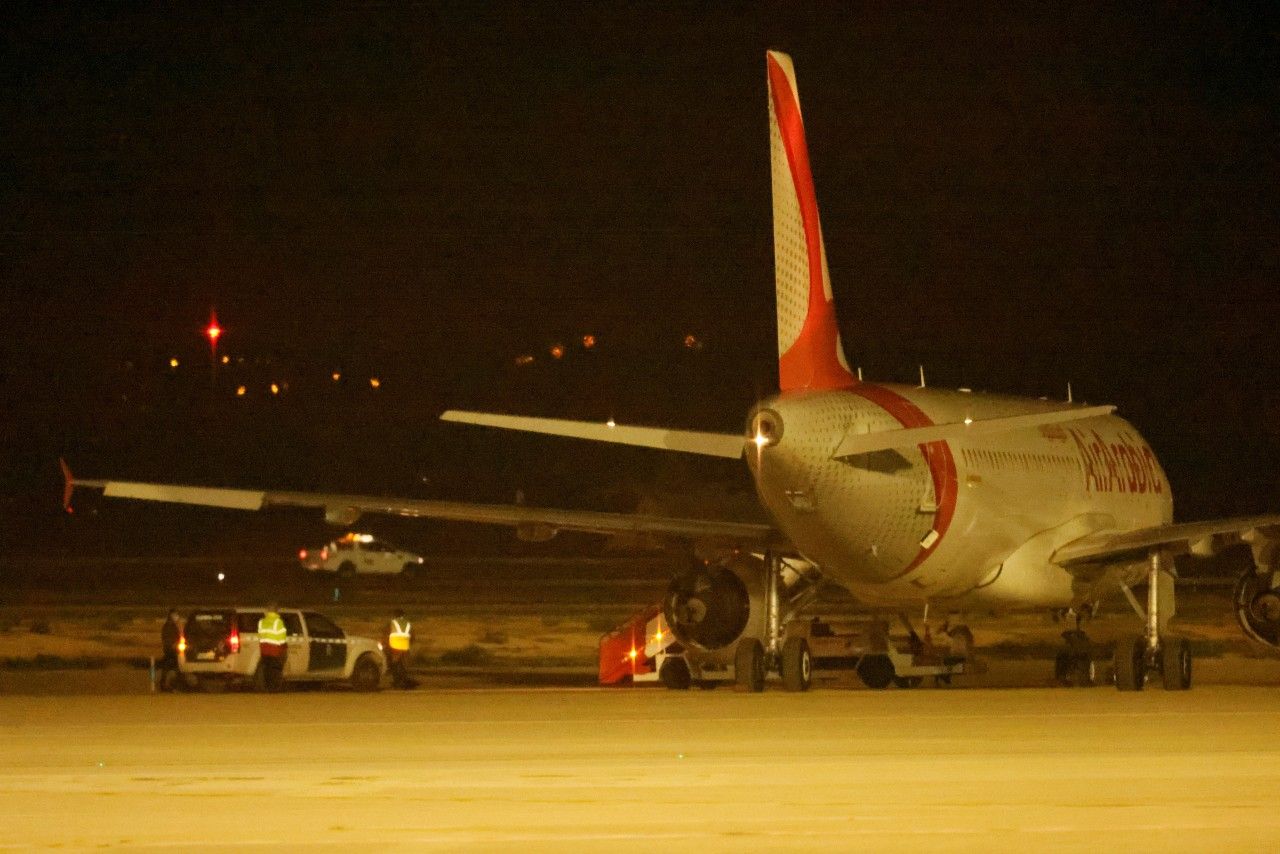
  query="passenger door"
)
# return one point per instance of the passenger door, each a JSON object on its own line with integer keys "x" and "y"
{"x": 381, "y": 558}
{"x": 327, "y": 645}
{"x": 299, "y": 651}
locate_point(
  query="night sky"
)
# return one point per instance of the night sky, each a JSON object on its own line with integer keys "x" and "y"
{"x": 1017, "y": 199}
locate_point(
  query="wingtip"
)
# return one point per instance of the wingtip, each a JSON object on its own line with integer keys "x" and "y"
{"x": 68, "y": 485}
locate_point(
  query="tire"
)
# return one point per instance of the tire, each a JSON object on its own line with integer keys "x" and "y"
{"x": 1131, "y": 665}
{"x": 748, "y": 666}
{"x": 674, "y": 673}
{"x": 1175, "y": 664}
{"x": 366, "y": 676}
{"x": 1084, "y": 671}
{"x": 797, "y": 665}
{"x": 1062, "y": 667}
{"x": 347, "y": 572}
{"x": 409, "y": 572}
{"x": 876, "y": 671}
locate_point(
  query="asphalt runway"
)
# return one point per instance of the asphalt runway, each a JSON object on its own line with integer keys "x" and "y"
{"x": 646, "y": 770}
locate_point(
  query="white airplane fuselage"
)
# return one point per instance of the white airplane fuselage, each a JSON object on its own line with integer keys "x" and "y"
{"x": 963, "y": 523}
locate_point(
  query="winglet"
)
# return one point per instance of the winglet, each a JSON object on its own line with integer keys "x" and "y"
{"x": 810, "y": 354}
{"x": 68, "y": 485}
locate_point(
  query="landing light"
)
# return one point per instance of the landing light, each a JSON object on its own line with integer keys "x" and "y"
{"x": 761, "y": 440}
{"x": 611, "y": 423}
{"x": 632, "y": 655}
{"x": 968, "y": 420}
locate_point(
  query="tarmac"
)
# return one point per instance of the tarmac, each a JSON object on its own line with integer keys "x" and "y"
{"x": 645, "y": 770}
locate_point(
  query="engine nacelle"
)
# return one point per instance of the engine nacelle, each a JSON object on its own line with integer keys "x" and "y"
{"x": 710, "y": 607}
{"x": 1258, "y": 607}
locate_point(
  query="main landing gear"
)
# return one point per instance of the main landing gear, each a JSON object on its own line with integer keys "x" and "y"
{"x": 1142, "y": 658}
{"x": 1074, "y": 665}
{"x": 792, "y": 658}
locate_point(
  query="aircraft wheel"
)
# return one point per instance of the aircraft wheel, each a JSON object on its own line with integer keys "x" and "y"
{"x": 876, "y": 671}
{"x": 748, "y": 666}
{"x": 797, "y": 665}
{"x": 1175, "y": 664}
{"x": 347, "y": 572}
{"x": 409, "y": 571}
{"x": 1131, "y": 665}
{"x": 674, "y": 673}
{"x": 907, "y": 681}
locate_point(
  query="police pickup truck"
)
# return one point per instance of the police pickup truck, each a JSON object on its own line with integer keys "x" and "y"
{"x": 219, "y": 648}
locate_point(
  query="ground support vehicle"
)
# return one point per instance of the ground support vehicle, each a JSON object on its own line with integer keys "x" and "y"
{"x": 643, "y": 650}
{"x": 219, "y": 649}
{"x": 360, "y": 554}
{"x": 880, "y": 659}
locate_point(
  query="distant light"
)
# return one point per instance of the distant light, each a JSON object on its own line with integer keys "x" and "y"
{"x": 335, "y": 376}
{"x": 761, "y": 440}
{"x": 374, "y": 382}
{"x": 222, "y": 576}
{"x": 611, "y": 423}
{"x": 213, "y": 331}
{"x": 173, "y": 363}
{"x": 557, "y": 351}
{"x": 693, "y": 342}
{"x": 968, "y": 420}
{"x": 275, "y": 389}
{"x": 632, "y": 655}
{"x": 226, "y": 360}
{"x": 588, "y": 341}
{"x": 302, "y": 554}
{"x": 240, "y": 391}
{"x": 521, "y": 361}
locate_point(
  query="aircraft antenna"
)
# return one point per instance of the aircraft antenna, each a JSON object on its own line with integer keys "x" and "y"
{"x": 1069, "y": 397}
{"x": 859, "y": 373}
{"x": 922, "y": 376}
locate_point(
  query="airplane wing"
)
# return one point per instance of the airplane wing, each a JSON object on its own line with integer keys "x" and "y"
{"x": 689, "y": 441}
{"x": 854, "y": 444}
{"x": 1202, "y": 538}
{"x": 535, "y": 522}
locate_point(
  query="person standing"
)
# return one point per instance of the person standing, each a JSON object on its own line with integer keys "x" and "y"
{"x": 168, "y": 675}
{"x": 399, "y": 642}
{"x": 273, "y": 647}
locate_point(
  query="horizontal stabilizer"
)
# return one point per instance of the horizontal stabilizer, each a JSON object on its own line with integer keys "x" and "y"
{"x": 687, "y": 441}
{"x": 865, "y": 443}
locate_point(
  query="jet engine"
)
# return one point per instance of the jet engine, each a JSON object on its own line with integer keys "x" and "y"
{"x": 711, "y": 606}
{"x": 1257, "y": 604}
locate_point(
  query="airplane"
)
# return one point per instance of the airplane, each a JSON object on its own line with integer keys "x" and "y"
{"x": 910, "y": 497}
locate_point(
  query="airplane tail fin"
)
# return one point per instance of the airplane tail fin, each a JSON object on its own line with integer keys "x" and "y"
{"x": 810, "y": 354}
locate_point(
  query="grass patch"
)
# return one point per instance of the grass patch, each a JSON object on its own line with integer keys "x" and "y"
{"x": 54, "y": 662}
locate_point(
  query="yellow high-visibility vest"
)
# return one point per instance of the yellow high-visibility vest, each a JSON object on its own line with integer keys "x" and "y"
{"x": 271, "y": 629}
{"x": 399, "y": 636}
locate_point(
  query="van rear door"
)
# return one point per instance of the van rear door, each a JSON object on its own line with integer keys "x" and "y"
{"x": 207, "y": 633}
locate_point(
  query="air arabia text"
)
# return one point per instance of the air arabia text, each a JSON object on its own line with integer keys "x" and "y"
{"x": 1123, "y": 466}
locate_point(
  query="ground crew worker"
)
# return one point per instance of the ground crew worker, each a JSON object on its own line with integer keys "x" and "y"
{"x": 167, "y": 674}
{"x": 273, "y": 646}
{"x": 399, "y": 642}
